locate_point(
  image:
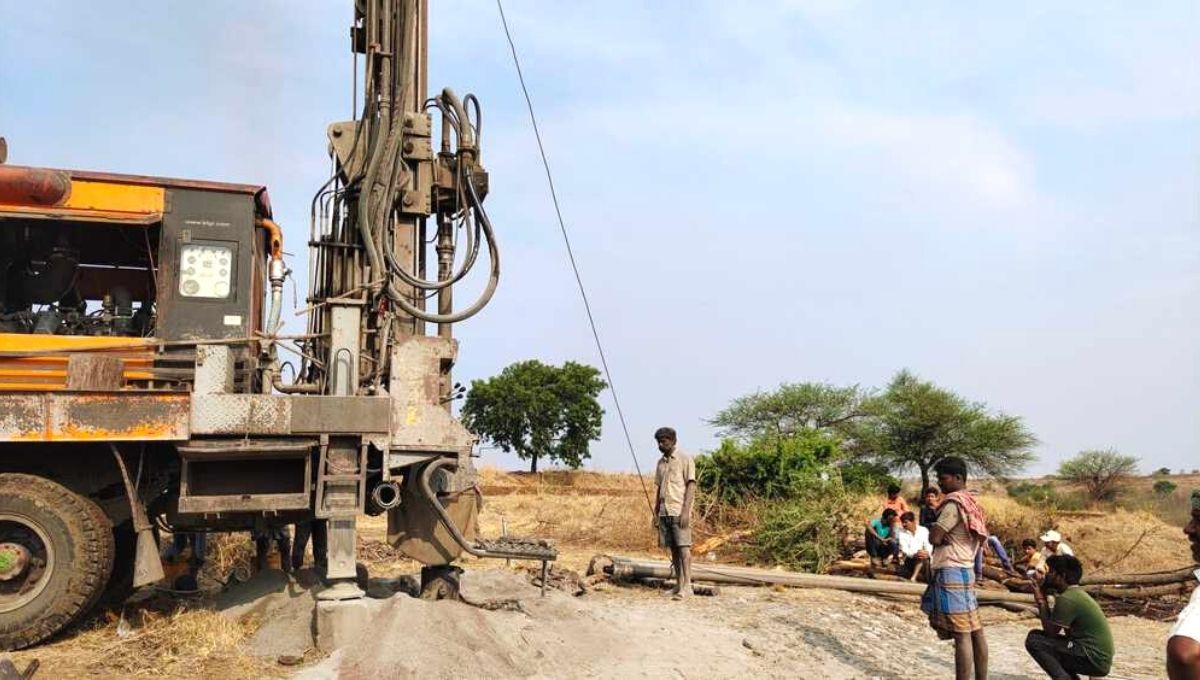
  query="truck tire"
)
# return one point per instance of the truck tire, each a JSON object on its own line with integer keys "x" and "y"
{"x": 120, "y": 583}
{"x": 67, "y": 543}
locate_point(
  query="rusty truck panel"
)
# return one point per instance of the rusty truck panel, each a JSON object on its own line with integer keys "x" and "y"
{"x": 89, "y": 417}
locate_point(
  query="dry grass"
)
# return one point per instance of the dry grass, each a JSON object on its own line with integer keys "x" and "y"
{"x": 168, "y": 642}
{"x": 585, "y": 513}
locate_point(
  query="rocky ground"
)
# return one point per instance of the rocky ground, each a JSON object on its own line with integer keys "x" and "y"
{"x": 621, "y": 632}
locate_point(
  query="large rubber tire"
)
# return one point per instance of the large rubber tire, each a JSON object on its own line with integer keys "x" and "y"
{"x": 120, "y": 583}
{"x": 82, "y": 541}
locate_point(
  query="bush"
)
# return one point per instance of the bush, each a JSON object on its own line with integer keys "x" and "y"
{"x": 1046, "y": 496}
{"x": 766, "y": 468}
{"x": 1164, "y": 487}
{"x": 861, "y": 477}
{"x": 806, "y": 531}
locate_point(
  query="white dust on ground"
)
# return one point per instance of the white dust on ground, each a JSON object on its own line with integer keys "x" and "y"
{"x": 636, "y": 632}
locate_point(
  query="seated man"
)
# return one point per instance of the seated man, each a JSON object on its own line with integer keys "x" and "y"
{"x": 1031, "y": 558}
{"x": 894, "y": 500}
{"x": 929, "y": 506}
{"x": 1075, "y": 638}
{"x": 1054, "y": 544}
{"x": 881, "y": 539}
{"x": 915, "y": 548}
{"x": 1183, "y": 645}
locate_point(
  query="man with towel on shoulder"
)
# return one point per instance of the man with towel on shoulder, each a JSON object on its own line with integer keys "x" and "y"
{"x": 957, "y": 536}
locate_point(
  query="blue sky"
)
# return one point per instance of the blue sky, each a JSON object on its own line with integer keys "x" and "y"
{"x": 1003, "y": 199}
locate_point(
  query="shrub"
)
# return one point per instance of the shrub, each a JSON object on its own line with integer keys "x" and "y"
{"x": 765, "y": 468}
{"x": 1164, "y": 487}
{"x": 864, "y": 477}
{"x": 1046, "y": 496}
{"x": 806, "y": 532}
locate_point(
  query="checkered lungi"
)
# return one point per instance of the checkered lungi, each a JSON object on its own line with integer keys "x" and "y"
{"x": 950, "y": 602}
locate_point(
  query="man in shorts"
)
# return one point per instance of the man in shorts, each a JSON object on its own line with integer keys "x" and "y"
{"x": 675, "y": 479}
{"x": 1183, "y": 645}
{"x": 950, "y": 601}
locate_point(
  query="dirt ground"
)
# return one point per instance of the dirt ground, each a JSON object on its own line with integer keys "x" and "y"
{"x": 612, "y": 632}
{"x": 634, "y": 632}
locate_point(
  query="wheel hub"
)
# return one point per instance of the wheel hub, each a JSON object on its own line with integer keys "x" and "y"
{"x": 13, "y": 559}
{"x": 26, "y": 561}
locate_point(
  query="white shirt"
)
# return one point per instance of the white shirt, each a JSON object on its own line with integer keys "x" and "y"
{"x": 1063, "y": 549}
{"x": 1188, "y": 624}
{"x": 914, "y": 542}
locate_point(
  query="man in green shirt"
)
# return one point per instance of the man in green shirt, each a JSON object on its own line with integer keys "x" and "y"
{"x": 1075, "y": 638}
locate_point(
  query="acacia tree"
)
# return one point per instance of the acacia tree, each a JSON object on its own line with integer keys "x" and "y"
{"x": 538, "y": 411}
{"x": 1100, "y": 471}
{"x": 791, "y": 409}
{"x": 915, "y": 423}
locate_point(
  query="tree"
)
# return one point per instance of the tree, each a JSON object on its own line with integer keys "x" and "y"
{"x": 1163, "y": 472}
{"x": 915, "y": 423}
{"x": 538, "y": 411}
{"x": 792, "y": 409}
{"x": 1100, "y": 472}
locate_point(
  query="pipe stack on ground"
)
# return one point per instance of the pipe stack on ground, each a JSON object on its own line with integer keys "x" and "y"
{"x": 1114, "y": 585}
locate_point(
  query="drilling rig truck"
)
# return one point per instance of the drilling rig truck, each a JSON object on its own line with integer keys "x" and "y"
{"x": 146, "y": 383}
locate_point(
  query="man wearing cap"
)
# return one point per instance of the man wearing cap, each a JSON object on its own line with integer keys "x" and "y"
{"x": 675, "y": 479}
{"x": 1053, "y": 545}
{"x": 1183, "y": 645}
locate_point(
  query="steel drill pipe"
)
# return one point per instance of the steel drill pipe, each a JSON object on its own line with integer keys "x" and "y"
{"x": 624, "y": 567}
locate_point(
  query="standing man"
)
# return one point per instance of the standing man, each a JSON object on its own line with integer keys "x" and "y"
{"x": 1075, "y": 638}
{"x": 950, "y": 600}
{"x": 1183, "y": 645}
{"x": 675, "y": 479}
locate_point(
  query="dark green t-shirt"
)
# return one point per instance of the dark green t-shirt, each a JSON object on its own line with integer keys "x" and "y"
{"x": 1076, "y": 611}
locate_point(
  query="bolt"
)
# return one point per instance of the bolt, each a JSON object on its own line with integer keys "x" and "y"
{"x": 337, "y": 132}
{"x": 408, "y": 147}
{"x": 409, "y": 199}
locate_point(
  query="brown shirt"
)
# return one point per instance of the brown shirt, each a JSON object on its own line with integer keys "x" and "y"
{"x": 961, "y": 545}
{"x": 674, "y": 471}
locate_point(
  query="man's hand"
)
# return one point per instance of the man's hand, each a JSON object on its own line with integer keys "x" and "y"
{"x": 922, "y": 555}
{"x": 654, "y": 522}
{"x": 684, "y": 521}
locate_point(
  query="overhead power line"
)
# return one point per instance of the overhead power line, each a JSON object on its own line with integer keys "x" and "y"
{"x": 562, "y": 226}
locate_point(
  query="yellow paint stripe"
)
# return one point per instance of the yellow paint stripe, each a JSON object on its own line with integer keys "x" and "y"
{"x": 116, "y": 198}
{"x": 29, "y": 342}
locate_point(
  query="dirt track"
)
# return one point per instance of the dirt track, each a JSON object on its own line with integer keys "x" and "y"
{"x": 622, "y": 633}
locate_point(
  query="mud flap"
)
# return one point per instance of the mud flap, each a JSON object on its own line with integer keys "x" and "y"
{"x": 415, "y": 530}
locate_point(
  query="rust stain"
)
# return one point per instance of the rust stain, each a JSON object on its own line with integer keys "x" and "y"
{"x": 94, "y": 417}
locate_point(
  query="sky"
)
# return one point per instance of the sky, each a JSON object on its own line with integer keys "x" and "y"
{"x": 1001, "y": 198}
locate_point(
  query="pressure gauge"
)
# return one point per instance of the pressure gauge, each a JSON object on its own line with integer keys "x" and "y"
{"x": 205, "y": 271}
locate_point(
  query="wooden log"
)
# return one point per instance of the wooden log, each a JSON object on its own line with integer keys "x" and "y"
{"x": 1140, "y": 592}
{"x": 625, "y": 567}
{"x": 1184, "y": 575}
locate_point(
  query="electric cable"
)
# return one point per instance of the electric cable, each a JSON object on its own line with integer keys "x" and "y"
{"x": 571, "y": 254}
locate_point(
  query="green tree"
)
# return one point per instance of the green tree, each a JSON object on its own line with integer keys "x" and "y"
{"x": 538, "y": 411}
{"x": 791, "y": 409}
{"x": 1163, "y": 472}
{"x": 1100, "y": 471}
{"x": 915, "y": 423}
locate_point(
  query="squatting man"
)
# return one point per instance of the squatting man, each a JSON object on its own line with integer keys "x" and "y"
{"x": 675, "y": 482}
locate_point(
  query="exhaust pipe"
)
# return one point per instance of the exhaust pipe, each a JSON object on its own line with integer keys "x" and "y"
{"x": 386, "y": 495}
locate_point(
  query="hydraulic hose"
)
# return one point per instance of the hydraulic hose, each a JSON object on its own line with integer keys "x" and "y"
{"x": 493, "y": 276}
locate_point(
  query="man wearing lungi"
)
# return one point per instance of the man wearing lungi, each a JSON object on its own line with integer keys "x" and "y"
{"x": 958, "y": 534}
